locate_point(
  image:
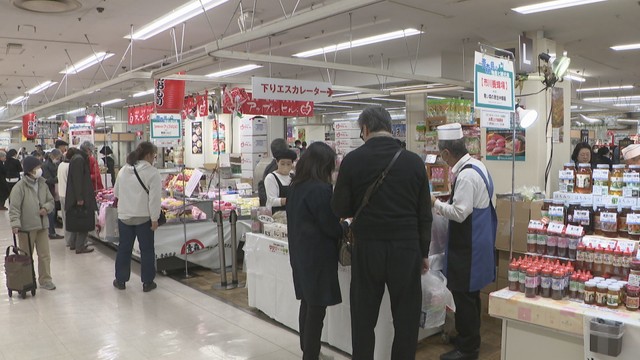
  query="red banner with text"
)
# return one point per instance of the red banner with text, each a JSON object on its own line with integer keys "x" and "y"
{"x": 140, "y": 114}
{"x": 169, "y": 96}
{"x": 30, "y": 126}
{"x": 270, "y": 107}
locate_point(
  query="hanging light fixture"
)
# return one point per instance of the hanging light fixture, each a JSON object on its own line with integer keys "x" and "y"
{"x": 527, "y": 117}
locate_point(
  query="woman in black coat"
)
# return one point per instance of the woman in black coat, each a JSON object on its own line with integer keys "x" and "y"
{"x": 314, "y": 231}
{"x": 12, "y": 168}
{"x": 80, "y": 202}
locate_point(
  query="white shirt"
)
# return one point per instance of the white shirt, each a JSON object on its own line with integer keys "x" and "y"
{"x": 470, "y": 191}
{"x": 63, "y": 174}
{"x": 273, "y": 190}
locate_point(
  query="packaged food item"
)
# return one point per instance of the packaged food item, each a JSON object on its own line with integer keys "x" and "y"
{"x": 583, "y": 179}
{"x": 567, "y": 178}
{"x": 632, "y": 298}
{"x": 557, "y": 212}
{"x": 601, "y": 179}
{"x": 514, "y": 275}
{"x": 545, "y": 209}
{"x": 609, "y": 221}
{"x": 633, "y": 223}
{"x": 631, "y": 179}
{"x": 623, "y": 229}
{"x": 590, "y": 288}
{"x": 616, "y": 183}
{"x": 601, "y": 294}
{"x": 597, "y": 220}
{"x": 613, "y": 297}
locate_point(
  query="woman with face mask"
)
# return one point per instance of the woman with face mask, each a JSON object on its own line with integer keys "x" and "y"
{"x": 30, "y": 203}
{"x": 277, "y": 183}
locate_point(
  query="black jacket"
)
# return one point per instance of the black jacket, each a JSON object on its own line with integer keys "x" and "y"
{"x": 313, "y": 232}
{"x": 401, "y": 207}
{"x": 79, "y": 185}
{"x": 12, "y": 167}
{"x": 4, "y": 190}
{"x": 50, "y": 173}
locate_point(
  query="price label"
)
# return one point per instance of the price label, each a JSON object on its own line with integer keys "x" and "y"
{"x": 600, "y": 174}
{"x": 536, "y": 225}
{"x": 555, "y": 228}
{"x": 568, "y": 175}
{"x": 627, "y": 245}
{"x": 556, "y": 211}
{"x": 600, "y": 190}
{"x": 631, "y": 178}
{"x": 574, "y": 230}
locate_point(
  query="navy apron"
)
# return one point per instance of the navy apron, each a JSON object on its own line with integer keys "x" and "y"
{"x": 470, "y": 255}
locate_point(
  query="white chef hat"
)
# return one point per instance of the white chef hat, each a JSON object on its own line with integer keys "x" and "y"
{"x": 450, "y": 132}
{"x": 631, "y": 151}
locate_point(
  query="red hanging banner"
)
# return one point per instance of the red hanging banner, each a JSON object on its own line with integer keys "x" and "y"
{"x": 140, "y": 114}
{"x": 266, "y": 107}
{"x": 30, "y": 126}
{"x": 169, "y": 96}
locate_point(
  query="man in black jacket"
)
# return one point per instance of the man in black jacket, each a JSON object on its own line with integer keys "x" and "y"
{"x": 392, "y": 235}
{"x": 50, "y": 173}
{"x": 4, "y": 189}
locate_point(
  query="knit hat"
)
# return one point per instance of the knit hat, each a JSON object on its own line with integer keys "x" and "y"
{"x": 29, "y": 163}
{"x": 287, "y": 154}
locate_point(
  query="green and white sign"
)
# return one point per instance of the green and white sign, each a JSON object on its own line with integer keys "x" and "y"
{"x": 166, "y": 129}
{"x": 493, "y": 83}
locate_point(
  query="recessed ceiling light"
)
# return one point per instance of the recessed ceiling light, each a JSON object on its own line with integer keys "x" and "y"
{"x": 359, "y": 42}
{"x": 606, "y": 88}
{"x": 86, "y": 63}
{"x": 626, "y": 47}
{"x": 552, "y": 5}
{"x": 174, "y": 17}
{"x": 236, "y": 70}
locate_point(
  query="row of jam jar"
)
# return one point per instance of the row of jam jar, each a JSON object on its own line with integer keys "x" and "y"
{"x": 543, "y": 242}
{"x": 536, "y": 276}
{"x": 621, "y": 181}
{"x": 610, "y": 220}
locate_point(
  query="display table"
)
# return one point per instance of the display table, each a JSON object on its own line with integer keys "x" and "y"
{"x": 270, "y": 289}
{"x": 555, "y": 329}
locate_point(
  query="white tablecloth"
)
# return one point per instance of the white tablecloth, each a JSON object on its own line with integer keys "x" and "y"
{"x": 270, "y": 288}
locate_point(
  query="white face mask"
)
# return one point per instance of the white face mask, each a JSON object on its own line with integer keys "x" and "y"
{"x": 38, "y": 173}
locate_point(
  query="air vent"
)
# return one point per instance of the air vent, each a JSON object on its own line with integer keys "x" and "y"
{"x": 48, "y": 6}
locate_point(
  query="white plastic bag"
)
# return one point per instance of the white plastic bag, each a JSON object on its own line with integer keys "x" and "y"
{"x": 436, "y": 298}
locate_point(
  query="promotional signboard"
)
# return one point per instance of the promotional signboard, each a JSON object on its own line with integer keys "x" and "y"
{"x": 287, "y": 89}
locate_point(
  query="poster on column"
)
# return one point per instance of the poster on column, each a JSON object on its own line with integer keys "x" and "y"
{"x": 501, "y": 144}
{"x": 196, "y": 137}
{"x": 494, "y": 83}
{"x": 218, "y": 134}
{"x": 79, "y": 133}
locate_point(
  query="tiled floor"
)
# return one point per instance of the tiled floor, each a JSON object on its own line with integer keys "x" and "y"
{"x": 87, "y": 318}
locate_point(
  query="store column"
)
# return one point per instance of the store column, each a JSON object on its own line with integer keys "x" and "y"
{"x": 416, "y": 105}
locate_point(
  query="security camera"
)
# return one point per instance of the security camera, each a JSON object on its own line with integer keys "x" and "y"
{"x": 100, "y": 9}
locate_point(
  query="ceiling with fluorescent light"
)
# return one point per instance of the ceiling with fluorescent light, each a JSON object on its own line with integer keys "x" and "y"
{"x": 35, "y": 47}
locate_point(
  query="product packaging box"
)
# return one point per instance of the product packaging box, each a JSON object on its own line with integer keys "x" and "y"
{"x": 523, "y": 211}
{"x": 254, "y": 144}
{"x": 250, "y": 126}
{"x": 249, "y": 161}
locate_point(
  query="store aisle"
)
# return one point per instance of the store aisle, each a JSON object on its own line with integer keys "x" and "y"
{"x": 87, "y": 318}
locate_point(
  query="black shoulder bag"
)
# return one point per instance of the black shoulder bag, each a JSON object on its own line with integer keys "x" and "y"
{"x": 346, "y": 243}
{"x": 163, "y": 218}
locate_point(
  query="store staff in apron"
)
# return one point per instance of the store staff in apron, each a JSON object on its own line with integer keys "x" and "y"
{"x": 472, "y": 232}
{"x": 277, "y": 183}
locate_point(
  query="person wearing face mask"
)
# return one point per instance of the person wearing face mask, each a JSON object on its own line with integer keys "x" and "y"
{"x": 470, "y": 264}
{"x": 50, "y": 174}
{"x": 30, "y": 202}
{"x": 277, "y": 183}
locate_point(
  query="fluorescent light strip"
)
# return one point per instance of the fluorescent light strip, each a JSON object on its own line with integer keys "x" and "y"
{"x": 347, "y": 94}
{"x": 612, "y": 98}
{"x": 40, "y": 88}
{"x": 335, "y": 106}
{"x": 76, "y": 110}
{"x": 52, "y": 117}
{"x": 466, "y": 91}
{"x": 552, "y": 5}
{"x": 575, "y": 78}
{"x": 143, "y": 93}
{"x": 112, "y": 101}
{"x": 412, "y": 87}
{"x": 174, "y": 17}
{"x": 623, "y": 105}
{"x": 389, "y": 100}
{"x": 360, "y": 103}
{"x": 86, "y": 63}
{"x": 16, "y": 100}
{"x": 236, "y": 70}
{"x": 626, "y": 47}
{"x": 3, "y": 108}
{"x": 606, "y": 88}
{"x": 436, "y": 97}
{"x": 359, "y": 42}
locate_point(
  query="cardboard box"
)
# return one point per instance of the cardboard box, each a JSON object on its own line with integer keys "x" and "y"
{"x": 523, "y": 211}
{"x": 502, "y": 283}
{"x": 346, "y": 125}
{"x": 250, "y": 126}
{"x": 249, "y": 161}
{"x": 254, "y": 144}
{"x": 348, "y": 134}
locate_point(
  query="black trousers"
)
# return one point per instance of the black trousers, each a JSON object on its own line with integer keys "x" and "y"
{"x": 311, "y": 318}
{"x": 396, "y": 264}
{"x": 468, "y": 312}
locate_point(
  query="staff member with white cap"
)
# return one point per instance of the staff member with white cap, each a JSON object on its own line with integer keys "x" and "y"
{"x": 472, "y": 233}
{"x": 631, "y": 154}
